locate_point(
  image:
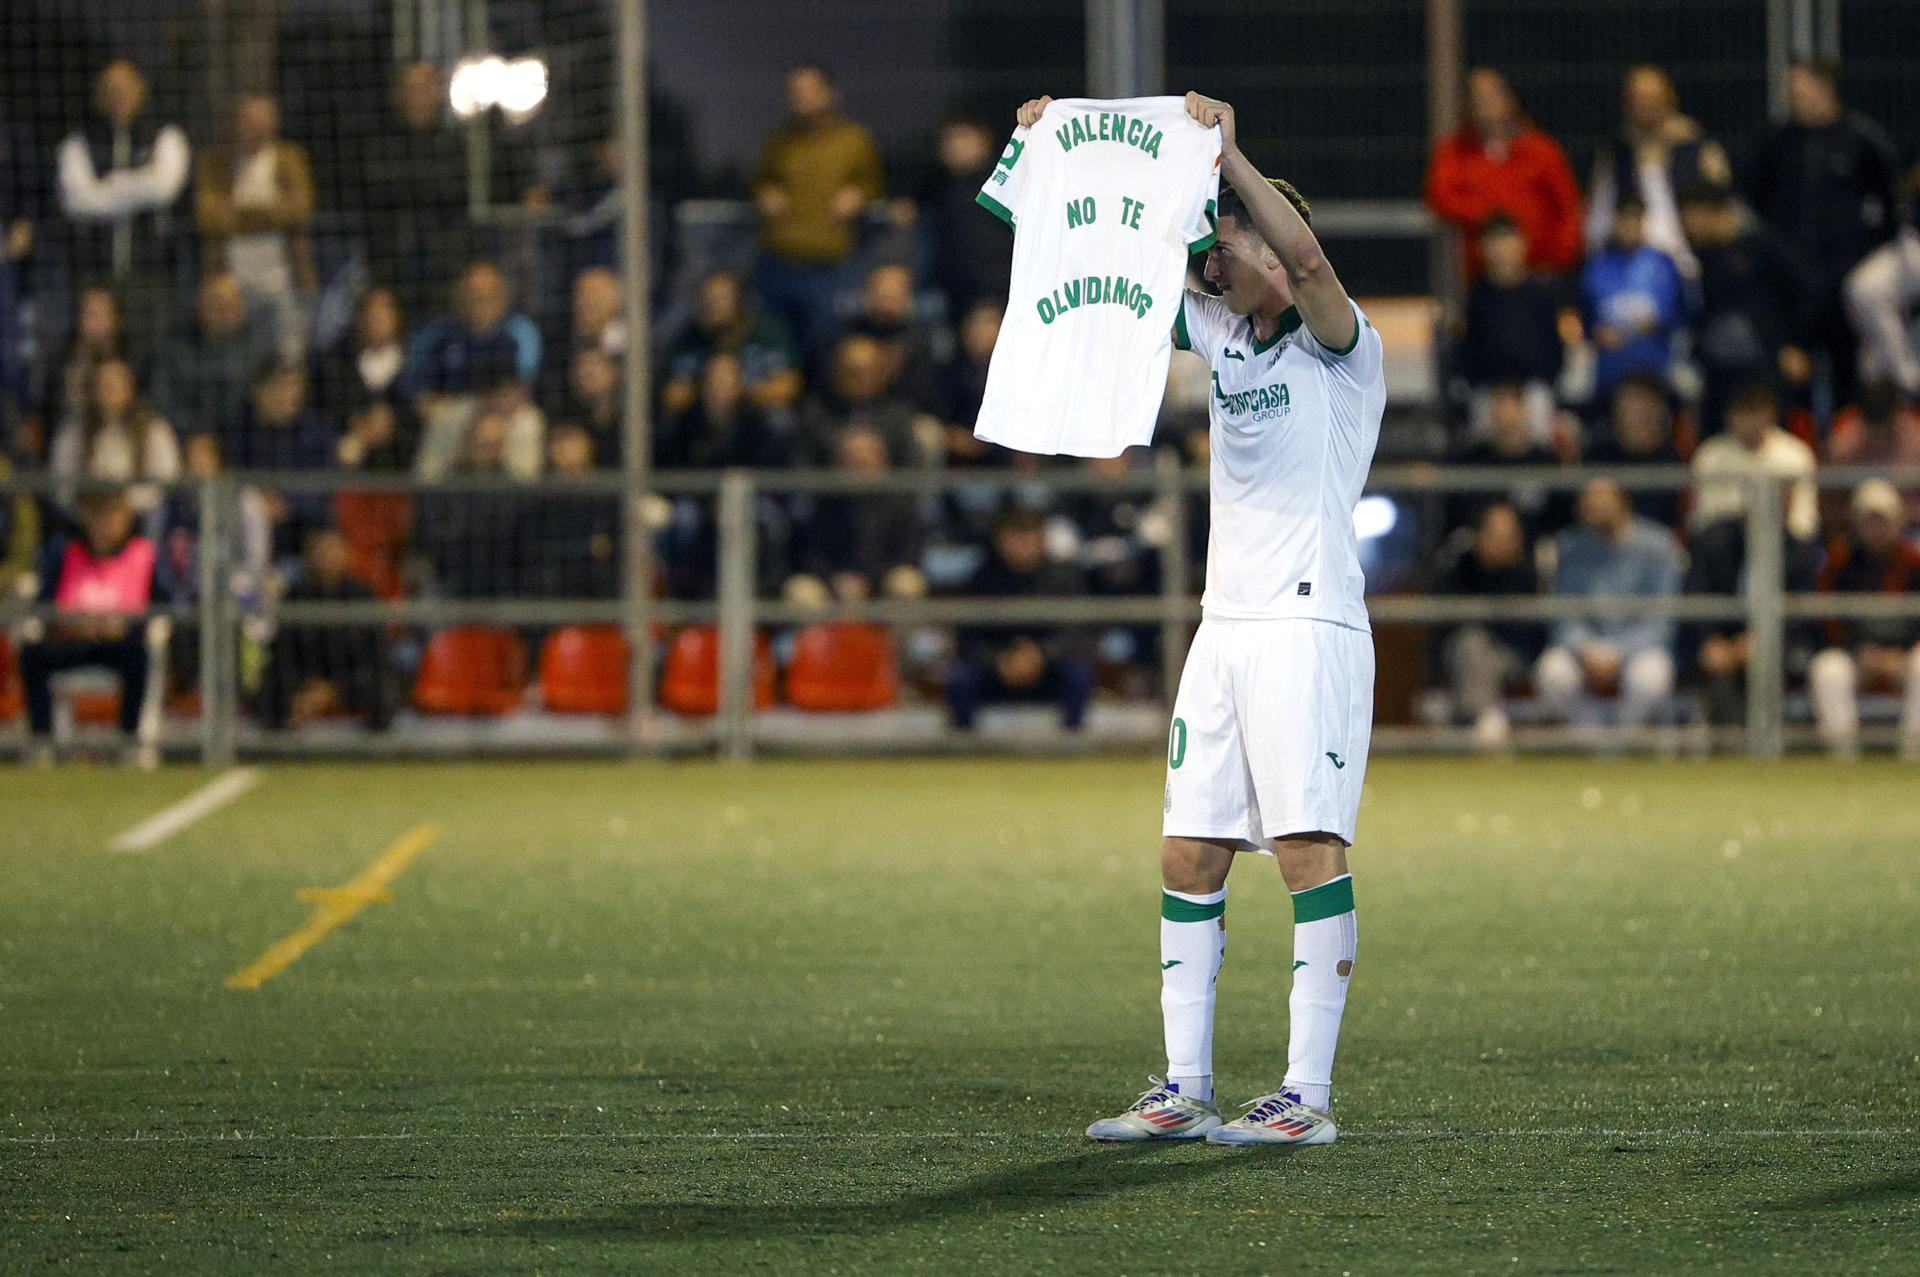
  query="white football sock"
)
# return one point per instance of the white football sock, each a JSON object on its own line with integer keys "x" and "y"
{"x": 1193, "y": 943}
{"x": 1324, "y": 939}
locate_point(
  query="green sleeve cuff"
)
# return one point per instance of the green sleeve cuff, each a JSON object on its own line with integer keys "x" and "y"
{"x": 1359, "y": 322}
{"x": 1180, "y": 337}
{"x": 995, "y": 207}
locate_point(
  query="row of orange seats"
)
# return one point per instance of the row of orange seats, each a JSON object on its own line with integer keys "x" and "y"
{"x": 482, "y": 669}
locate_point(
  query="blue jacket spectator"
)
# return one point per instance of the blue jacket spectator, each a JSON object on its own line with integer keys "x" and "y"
{"x": 462, "y": 353}
{"x": 1612, "y": 552}
{"x": 1633, "y": 300}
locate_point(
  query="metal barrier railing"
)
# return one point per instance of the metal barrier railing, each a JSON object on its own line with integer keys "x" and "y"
{"x": 1764, "y": 606}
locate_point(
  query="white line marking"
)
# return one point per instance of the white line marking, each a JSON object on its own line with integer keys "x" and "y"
{"x": 1385, "y": 1133}
{"x": 202, "y": 802}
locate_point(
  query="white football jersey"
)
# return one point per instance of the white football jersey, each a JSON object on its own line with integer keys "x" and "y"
{"x": 1292, "y": 430}
{"x": 1107, "y": 199}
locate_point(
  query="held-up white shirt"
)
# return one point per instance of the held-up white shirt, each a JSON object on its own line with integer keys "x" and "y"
{"x": 1107, "y": 199}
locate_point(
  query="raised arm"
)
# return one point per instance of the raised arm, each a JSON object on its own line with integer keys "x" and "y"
{"x": 1317, "y": 291}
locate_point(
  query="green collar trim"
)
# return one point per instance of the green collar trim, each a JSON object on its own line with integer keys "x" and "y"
{"x": 1289, "y": 320}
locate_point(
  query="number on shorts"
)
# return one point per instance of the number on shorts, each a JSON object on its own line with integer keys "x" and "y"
{"x": 1177, "y": 744}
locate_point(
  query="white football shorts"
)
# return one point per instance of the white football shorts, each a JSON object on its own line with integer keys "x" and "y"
{"x": 1270, "y": 732}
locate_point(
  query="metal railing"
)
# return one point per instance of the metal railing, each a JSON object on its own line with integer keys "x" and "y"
{"x": 1764, "y": 607}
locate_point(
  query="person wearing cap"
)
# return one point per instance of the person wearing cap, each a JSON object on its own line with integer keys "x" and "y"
{"x": 1873, "y": 558}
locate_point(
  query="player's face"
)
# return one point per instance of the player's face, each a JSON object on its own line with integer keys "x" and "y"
{"x": 1237, "y": 266}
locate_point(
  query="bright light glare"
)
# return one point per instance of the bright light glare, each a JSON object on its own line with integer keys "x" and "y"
{"x": 1374, "y": 517}
{"x": 517, "y": 87}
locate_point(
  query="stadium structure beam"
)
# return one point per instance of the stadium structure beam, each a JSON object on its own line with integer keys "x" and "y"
{"x": 1445, "y": 82}
{"x": 636, "y": 431}
{"x": 1126, "y": 48}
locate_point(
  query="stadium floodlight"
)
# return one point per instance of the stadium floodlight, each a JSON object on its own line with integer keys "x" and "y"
{"x": 517, "y": 86}
{"x": 1374, "y": 516}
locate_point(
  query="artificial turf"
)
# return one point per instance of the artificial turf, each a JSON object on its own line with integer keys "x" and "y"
{"x": 1614, "y": 1016}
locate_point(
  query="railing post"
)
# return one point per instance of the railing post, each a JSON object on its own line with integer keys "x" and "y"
{"x": 1766, "y": 617}
{"x": 212, "y": 537}
{"x": 1174, "y": 558}
{"x": 737, "y": 552}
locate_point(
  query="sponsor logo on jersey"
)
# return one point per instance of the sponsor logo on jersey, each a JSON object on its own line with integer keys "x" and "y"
{"x": 1336, "y": 760}
{"x": 1095, "y": 290}
{"x": 1108, "y": 127}
{"x": 1171, "y": 962}
{"x": 1259, "y": 402}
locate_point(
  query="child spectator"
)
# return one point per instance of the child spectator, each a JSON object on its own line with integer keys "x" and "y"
{"x": 98, "y": 334}
{"x": 1512, "y": 331}
{"x": 972, "y": 258}
{"x": 365, "y": 363}
{"x": 854, "y": 546}
{"x": 570, "y": 541}
{"x": 1874, "y": 558}
{"x": 887, "y": 315}
{"x": 723, "y": 428}
{"x": 201, "y": 378}
{"x": 1510, "y": 442}
{"x": 1018, "y": 662}
{"x": 1483, "y": 659}
{"x": 1639, "y": 432}
{"x": 118, "y": 436}
{"x": 1633, "y": 301}
{"x": 315, "y": 670}
{"x": 100, "y": 582}
{"x": 723, "y": 323}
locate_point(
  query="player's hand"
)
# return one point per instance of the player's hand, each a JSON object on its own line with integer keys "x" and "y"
{"x": 1212, "y": 111}
{"x": 1029, "y": 113}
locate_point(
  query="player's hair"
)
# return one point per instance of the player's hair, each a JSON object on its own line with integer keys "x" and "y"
{"x": 1231, "y": 205}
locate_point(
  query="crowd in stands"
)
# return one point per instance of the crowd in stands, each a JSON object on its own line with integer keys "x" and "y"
{"x": 1688, "y": 306}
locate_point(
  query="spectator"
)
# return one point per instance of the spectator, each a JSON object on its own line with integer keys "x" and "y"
{"x": 456, "y": 441}
{"x": 1512, "y": 331}
{"x": 1640, "y": 433}
{"x": 202, "y": 378}
{"x": 19, "y": 534}
{"x": 1485, "y": 659}
{"x": 120, "y": 177}
{"x": 999, "y": 663}
{"x": 1753, "y": 446}
{"x": 598, "y": 321}
{"x": 281, "y": 431}
{"x": 381, "y": 436}
{"x": 570, "y": 540}
{"x": 250, "y": 543}
{"x": 1751, "y": 303}
{"x": 117, "y": 437}
{"x": 471, "y": 539}
{"x": 887, "y": 315}
{"x": 1873, "y": 559}
{"x": 722, "y": 322}
{"x": 1883, "y": 300}
{"x": 858, "y": 545}
{"x": 595, "y": 400}
{"x": 252, "y": 204}
{"x": 961, "y": 385}
{"x": 1879, "y": 431}
{"x": 1500, "y": 165}
{"x": 723, "y": 428}
{"x": 100, "y": 582}
{"x": 415, "y": 194}
{"x": 366, "y": 362}
{"x": 1612, "y": 552}
{"x": 972, "y": 257}
{"x": 859, "y": 392}
{"x": 1510, "y": 443}
{"x": 316, "y": 670}
{"x": 484, "y": 335}
{"x": 815, "y": 175}
{"x": 22, "y": 207}
{"x": 1633, "y": 301}
{"x": 98, "y": 334}
{"x": 1117, "y": 539}
{"x": 1659, "y": 153}
{"x": 1825, "y": 183}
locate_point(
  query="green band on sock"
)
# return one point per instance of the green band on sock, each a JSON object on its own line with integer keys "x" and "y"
{"x": 1174, "y": 909}
{"x": 1328, "y": 900}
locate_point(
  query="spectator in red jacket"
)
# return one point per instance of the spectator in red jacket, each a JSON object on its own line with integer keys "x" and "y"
{"x": 1500, "y": 163}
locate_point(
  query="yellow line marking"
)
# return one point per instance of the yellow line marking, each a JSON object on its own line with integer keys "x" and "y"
{"x": 335, "y": 906}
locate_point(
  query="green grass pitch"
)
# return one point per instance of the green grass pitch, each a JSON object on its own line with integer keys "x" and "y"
{"x": 1608, "y": 1017}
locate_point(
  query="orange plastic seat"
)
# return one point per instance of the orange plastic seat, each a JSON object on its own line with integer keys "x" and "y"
{"x": 94, "y": 709}
{"x": 842, "y": 666}
{"x": 13, "y": 698}
{"x": 471, "y": 669}
{"x": 376, "y": 526}
{"x": 583, "y": 670}
{"x": 690, "y": 676}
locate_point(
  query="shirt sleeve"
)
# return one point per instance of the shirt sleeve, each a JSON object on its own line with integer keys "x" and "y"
{"x": 1364, "y": 359}
{"x": 1199, "y": 223}
{"x": 1005, "y": 189}
{"x": 1198, "y": 323}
